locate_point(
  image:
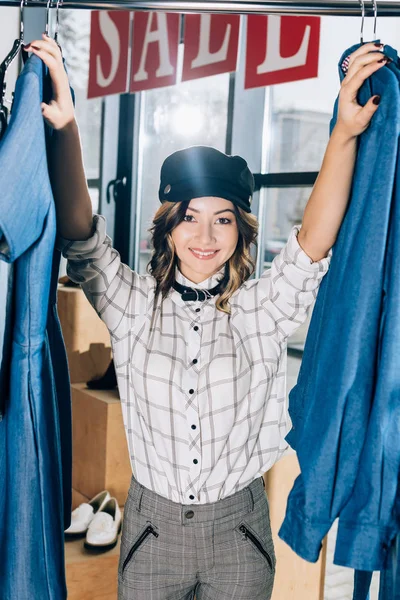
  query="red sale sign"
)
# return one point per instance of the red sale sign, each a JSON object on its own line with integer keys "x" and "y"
{"x": 281, "y": 49}
{"x": 154, "y": 50}
{"x": 211, "y": 45}
{"x": 109, "y": 46}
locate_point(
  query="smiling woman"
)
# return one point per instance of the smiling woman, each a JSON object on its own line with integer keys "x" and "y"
{"x": 206, "y": 238}
{"x": 204, "y": 226}
{"x": 184, "y": 235}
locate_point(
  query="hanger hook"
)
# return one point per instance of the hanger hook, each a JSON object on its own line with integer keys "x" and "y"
{"x": 46, "y": 31}
{"x": 362, "y": 21}
{"x": 21, "y": 34}
{"x": 375, "y": 4}
{"x": 59, "y": 2}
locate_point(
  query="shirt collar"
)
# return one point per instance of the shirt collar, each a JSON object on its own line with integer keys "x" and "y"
{"x": 207, "y": 284}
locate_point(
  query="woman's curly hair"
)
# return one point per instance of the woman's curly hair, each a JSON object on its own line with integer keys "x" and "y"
{"x": 164, "y": 258}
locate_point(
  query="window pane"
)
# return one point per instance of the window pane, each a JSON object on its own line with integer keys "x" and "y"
{"x": 301, "y": 110}
{"x": 94, "y": 196}
{"x": 300, "y": 138}
{"x": 187, "y": 114}
{"x": 75, "y": 41}
{"x": 284, "y": 208}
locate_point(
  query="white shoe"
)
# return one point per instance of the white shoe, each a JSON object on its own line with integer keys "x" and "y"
{"x": 83, "y": 515}
{"x": 104, "y": 529}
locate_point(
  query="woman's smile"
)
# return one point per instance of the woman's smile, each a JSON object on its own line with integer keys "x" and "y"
{"x": 203, "y": 254}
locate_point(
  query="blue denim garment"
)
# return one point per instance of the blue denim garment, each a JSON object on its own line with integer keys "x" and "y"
{"x": 35, "y": 433}
{"x": 334, "y": 406}
{"x": 390, "y": 578}
{"x": 379, "y": 448}
{"x": 389, "y": 582}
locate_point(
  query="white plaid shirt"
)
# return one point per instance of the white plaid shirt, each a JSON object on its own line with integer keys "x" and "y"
{"x": 203, "y": 393}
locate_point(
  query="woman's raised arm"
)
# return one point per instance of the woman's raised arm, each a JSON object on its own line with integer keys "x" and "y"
{"x": 67, "y": 175}
{"x": 327, "y": 205}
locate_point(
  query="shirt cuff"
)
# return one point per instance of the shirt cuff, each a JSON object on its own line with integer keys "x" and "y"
{"x": 301, "y": 258}
{"x": 71, "y": 248}
{"x": 352, "y": 540}
{"x": 303, "y": 536}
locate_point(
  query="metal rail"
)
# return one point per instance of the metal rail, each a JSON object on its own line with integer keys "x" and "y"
{"x": 386, "y": 8}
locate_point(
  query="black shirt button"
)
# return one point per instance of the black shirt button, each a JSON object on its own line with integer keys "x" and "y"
{"x": 195, "y": 461}
{"x": 193, "y": 426}
{"x": 197, "y": 309}
{"x": 195, "y": 328}
{"x": 191, "y": 391}
{"x": 191, "y": 497}
{"x": 194, "y": 361}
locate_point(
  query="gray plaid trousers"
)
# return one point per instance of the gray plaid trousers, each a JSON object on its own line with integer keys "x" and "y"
{"x": 221, "y": 550}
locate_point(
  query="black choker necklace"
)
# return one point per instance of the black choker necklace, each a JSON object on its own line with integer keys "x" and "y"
{"x": 189, "y": 293}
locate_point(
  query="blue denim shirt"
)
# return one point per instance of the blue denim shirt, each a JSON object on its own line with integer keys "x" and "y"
{"x": 344, "y": 410}
{"x": 35, "y": 433}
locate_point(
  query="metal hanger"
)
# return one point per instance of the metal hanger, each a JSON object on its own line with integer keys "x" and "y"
{"x": 47, "y": 26}
{"x": 375, "y": 5}
{"x": 59, "y": 3}
{"x": 46, "y": 31}
{"x": 362, "y": 21}
{"x": 3, "y": 70}
{"x": 388, "y": 51}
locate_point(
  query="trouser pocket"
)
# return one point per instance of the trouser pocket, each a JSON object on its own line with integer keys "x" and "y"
{"x": 257, "y": 544}
{"x": 149, "y": 530}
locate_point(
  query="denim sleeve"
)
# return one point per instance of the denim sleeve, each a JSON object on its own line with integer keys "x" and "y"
{"x": 290, "y": 286}
{"x": 117, "y": 293}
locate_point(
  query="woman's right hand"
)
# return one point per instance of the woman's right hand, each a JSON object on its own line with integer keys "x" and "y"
{"x": 60, "y": 112}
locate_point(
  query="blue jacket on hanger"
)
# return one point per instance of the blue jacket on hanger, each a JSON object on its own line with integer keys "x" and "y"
{"x": 35, "y": 432}
{"x": 343, "y": 408}
{"x": 380, "y": 445}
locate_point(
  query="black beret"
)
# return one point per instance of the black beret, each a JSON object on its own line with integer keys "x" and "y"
{"x": 204, "y": 171}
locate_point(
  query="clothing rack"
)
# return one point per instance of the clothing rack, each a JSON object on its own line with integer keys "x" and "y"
{"x": 385, "y": 8}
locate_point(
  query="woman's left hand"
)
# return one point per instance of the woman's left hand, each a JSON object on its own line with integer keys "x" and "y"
{"x": 59, "y": 113}
{"x": 354, "y": 119}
